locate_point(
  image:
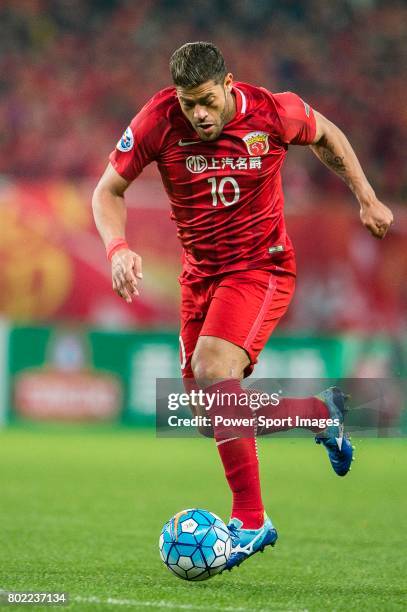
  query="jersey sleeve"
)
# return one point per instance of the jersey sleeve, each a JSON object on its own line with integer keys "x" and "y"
{"x": 139, "y": 145}
{"x": 296, "y": 119}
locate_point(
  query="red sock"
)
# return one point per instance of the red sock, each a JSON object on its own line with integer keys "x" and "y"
{"x": 293, "y": 408}
{"x": 240, "y": 461}
{"x": 239, "y": 458}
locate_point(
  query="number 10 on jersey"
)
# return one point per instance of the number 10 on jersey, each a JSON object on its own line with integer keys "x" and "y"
{"x": 218, "y": 188}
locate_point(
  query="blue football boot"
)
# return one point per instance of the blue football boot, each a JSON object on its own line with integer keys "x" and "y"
{"x": 338, "y": 446}
{"x": 247, "y": 542}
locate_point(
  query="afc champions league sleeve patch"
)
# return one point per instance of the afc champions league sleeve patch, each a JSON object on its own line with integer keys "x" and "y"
{"x": 257, "y": 143}
{"x": 126, "y": 142}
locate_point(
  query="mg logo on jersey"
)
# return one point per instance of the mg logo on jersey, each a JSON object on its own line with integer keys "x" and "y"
{"x": 196, "y": 163}
{"x": 257, "y": 143}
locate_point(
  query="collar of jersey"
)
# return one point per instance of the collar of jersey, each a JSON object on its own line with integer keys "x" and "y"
{"x": 241, "y": 101}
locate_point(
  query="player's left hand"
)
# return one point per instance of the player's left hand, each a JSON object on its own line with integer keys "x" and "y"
{"x": 376, "y": 217}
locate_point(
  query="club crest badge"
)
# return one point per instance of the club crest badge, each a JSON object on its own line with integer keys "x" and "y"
{"x": 257, "y": 143}
{"x": 126, "y": 142}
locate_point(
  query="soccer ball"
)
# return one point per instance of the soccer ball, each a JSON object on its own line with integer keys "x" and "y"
{"x": 195, "y": 544}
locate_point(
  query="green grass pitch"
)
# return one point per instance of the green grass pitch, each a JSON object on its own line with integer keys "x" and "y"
{"x": 81, "y": 512}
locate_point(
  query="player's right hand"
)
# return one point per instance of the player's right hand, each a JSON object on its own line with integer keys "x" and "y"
{"x": 126, "y": 271}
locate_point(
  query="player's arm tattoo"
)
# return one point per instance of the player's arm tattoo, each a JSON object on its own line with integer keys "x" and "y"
{"x": 336, "y": 162}
{"x": 335, "y": 151}
{"x": 325, "y": 150}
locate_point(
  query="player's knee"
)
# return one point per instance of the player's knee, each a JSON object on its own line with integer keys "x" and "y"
{"x": 207, "y": 369}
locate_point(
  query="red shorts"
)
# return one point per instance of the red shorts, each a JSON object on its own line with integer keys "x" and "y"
{"x": 241, "y": 307}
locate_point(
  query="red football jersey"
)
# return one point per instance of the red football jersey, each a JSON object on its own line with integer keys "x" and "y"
{"x": 226, "y": 195}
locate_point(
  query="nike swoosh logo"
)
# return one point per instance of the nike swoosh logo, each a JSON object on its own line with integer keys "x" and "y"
{"x": 181, "y": 143}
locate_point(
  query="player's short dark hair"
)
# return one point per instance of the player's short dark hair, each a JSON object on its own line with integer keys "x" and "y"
{"x": 195, "y": 63}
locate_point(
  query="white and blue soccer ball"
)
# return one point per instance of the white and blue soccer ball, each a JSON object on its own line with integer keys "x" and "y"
{"x": 195, "y": 544}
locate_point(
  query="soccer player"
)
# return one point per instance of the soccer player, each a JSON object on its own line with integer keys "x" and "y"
{"x": 219, "y": 147}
